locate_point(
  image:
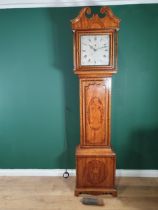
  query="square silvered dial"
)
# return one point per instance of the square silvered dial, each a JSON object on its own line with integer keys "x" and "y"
{"x": 95, "y": 50}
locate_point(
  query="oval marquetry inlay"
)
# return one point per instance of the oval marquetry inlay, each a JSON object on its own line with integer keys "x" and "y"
{"x": 95, "y": 113}
{"x": 96, "y": 172}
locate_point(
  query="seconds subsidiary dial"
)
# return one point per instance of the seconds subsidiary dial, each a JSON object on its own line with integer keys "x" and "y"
{"x": 95, "y": 50}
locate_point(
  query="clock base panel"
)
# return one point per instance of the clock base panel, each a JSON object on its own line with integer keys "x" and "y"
{"x": 95, "y": 171}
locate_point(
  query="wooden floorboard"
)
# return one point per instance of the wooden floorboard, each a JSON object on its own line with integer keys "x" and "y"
{"x": 57, "y": 193}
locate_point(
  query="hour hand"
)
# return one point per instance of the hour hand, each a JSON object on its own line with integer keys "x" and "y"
{"x": 91, "y": 47}
{"x": 94, "y": 49}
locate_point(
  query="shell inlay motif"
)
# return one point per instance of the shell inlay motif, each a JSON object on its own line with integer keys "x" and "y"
{"x": 95, "y": 113}
{"x": 96, "y": 172}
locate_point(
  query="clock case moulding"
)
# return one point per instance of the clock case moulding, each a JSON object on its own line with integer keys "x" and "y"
{"x": 82, "y": 25}
{"x": 95, "y": 160}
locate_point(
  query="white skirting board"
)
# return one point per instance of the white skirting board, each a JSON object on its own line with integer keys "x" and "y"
{"x": 72, "y": 172}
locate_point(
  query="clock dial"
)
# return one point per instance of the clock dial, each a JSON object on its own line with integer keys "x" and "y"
{"x": 95, "y": 50}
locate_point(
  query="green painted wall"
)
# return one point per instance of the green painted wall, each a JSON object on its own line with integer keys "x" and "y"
{"x": 39, "y": 93}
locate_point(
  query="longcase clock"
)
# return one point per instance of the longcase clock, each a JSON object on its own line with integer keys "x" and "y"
{"x": 95, "y": 61}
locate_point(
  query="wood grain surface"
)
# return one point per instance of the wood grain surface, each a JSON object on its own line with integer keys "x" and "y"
{"x": 95, "y": 98}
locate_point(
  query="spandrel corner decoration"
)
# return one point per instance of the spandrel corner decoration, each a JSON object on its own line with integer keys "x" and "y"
{"x": 95, "y": 61}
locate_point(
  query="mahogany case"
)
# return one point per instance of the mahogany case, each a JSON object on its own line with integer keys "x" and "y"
{"x": 95, "y": 160}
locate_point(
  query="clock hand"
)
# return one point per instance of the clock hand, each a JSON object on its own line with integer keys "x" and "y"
{"x": 91, "y": 47}
{"x": 94, "y": 49}
{"x": 101, "y": 48}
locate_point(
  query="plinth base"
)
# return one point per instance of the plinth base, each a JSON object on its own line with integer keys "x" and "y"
{"x": 95, "y": 171}
{"x": 92, "y": 191}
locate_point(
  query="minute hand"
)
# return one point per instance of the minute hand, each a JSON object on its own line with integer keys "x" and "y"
{"x": 101, "y": 48}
